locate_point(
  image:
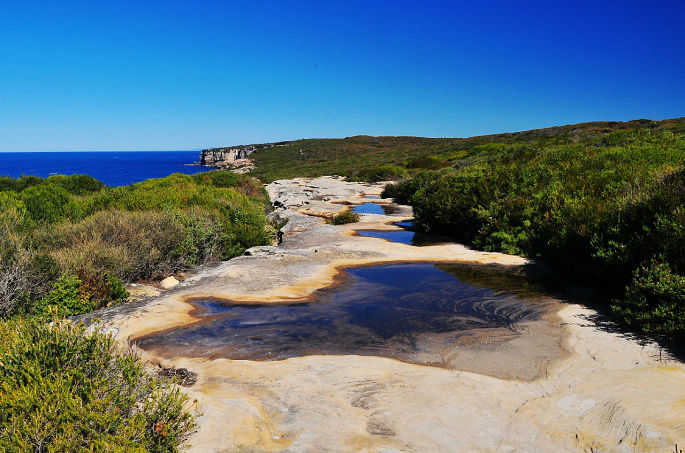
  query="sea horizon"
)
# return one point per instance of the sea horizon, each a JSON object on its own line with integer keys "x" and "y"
{"x": 114, "y": 168}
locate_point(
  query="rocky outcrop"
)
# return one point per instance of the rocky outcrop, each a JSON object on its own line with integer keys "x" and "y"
{"x": 223, "y": 156}
{"x": 604, "y": 392}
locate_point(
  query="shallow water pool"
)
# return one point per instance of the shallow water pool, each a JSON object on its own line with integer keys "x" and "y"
{"x": 411, "y": 312}
{"x": 406, "y": 235}
{"x": 375, "y": 208}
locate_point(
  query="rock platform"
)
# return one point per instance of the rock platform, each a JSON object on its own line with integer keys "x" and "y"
{"x": 595, "y": 390}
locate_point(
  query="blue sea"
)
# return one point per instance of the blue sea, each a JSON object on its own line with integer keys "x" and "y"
{"x": 114, "y": 168}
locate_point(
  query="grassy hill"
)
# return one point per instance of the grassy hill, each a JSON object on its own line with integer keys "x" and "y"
{"x": 367, "y": 158}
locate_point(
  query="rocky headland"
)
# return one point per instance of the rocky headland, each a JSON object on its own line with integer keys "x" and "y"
{"x": 234, "y": 158}
{"x": 552, "y": 380}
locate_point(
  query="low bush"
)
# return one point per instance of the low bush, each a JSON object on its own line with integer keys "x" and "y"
{"x": 71, "y": 225}
{"x": 403, "y": 191}
{"x": 64, "y": 389}
{"x": 655, "y": 300}
{"x": 386, "y": 172}
{"x": 128, "y": 245}
{"x": 77, "y": 184}
{"x": 49, "y": 203}
{"x": 344, "y": 217}
{"x": 74, "y": 184}
{"x": 72, "y": 296}
{"x": 428, "y": 162}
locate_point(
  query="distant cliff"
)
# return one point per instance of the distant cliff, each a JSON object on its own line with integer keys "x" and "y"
{"x": 224, "y": 156}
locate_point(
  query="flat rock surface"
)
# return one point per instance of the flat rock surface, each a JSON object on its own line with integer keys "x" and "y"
{"x": 563, "y": 383}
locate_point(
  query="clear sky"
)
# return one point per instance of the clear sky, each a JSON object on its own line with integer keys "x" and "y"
{"x": 190, "y": 74}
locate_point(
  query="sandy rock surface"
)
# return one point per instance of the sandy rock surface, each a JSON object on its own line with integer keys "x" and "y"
{"x": 592, "y": 390}
{"x": 169, "y": 282}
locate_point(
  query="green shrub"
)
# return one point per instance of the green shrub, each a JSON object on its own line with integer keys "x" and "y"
{"x": 128, "y": 245}
{"x": 13, "y": 211}
{"x": 428, "y": 162}
{"x": 65, "y": 299}
{"x": 218, "y": 178}
{"x": 101, "y": 289}
{"x": 344, "y": 217}
{"x": 403, "y": 191}
{"x": 77, "y": 184}
{"x": 655, "y": 300}
{"x": 49, "y": 203}
{"x": 63, "y": 389}
{"x": 18, "y": 184}
{"x": 384, "y": 172}
{"x": 75, "y": 226}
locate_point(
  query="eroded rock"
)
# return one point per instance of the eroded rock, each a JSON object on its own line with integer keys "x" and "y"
{"x": 604, "y": 393}
{"x": 169, "y": 282}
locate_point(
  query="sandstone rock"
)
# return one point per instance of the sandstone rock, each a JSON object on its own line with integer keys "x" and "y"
{"x": 169, "y": 282}
{"x": 137, "y": 291}
{"x": 262, "y": 250}
{"x": 604, "y": 393}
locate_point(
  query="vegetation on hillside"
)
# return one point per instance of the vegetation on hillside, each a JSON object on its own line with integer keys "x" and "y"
{"x": 72, "y": 227}
{"x": 389, "y": 158}
{"x": 67, "y": 245}
{"x": 63, "y": 389}
{"x": 606, "y": 210}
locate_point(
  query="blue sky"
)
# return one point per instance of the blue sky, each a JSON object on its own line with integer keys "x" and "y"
{"x": 187, "y": 75}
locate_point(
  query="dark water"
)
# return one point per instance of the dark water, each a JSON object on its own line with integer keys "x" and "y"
{"x": 403, "y": 237}
{"x": 114, "y": 168}
{"x": 406, "y": 236}
{"x": 374, "y": 208}
{"x": 406, "y": 311}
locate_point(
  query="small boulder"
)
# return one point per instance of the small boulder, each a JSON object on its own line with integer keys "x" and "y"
{"x": 169, "y": 283}
{"x": 136, "y": 291}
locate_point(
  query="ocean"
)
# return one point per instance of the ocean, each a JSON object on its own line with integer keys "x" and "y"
{"x": 114, "y": 168}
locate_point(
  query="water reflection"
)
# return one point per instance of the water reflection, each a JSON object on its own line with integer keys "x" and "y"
{"x": 406, "y": 235}
{"x": 407, "y": 311}
{"x": 375, "y": 208}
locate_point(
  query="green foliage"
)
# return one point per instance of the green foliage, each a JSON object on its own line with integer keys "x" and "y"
{"x": 63, "y": 389}
{"x": 354, "y": 156}
{"x": 654, "y": 300}
{"x": 101, "y": 289}
{"x": 128, "y": 245}
{"x": 386, "y": 172}
{"x": 49, "y": 203}
{"x": 12, "y": 210}
{"x": 402, "y": 192}
{"x": 428, "y": 162}
{"x": 74, "y": 184}
{"x": 594, "y": 211}
{"x": 346, "y": 216}
{"x": 72, "y": 296}
{"x": 18, "y": 184}
{"x": 218, "y": 178}
{"x": 71, "y": 225}
{"x": 77, "y": 184}
{"x": 64, "y": 299}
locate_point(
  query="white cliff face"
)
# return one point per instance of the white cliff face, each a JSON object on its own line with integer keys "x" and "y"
{"x": 600, "y": 392}
{"x": 218, "y": 156}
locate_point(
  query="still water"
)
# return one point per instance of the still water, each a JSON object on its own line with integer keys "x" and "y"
{"x": 406, "y": 311}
